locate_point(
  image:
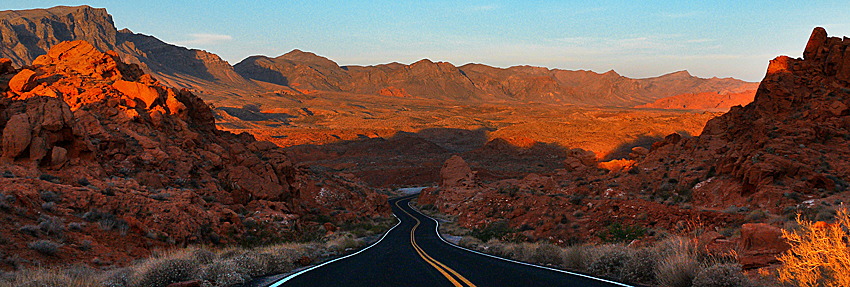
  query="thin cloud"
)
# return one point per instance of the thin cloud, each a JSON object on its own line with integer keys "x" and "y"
{"x": 704, "y": 40}
{"x": 204, "y": 39}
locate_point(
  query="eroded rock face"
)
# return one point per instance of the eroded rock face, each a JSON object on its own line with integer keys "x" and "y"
{"x": 97, "y": 137}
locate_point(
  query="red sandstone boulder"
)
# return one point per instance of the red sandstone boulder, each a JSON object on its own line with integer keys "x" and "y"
{"x": 58, "y": 156}
{"x": 760, "y": 244}
{"x": 454, "y": 172}
{"x": 138, "y": 91}
{"x": 16, "y": 136}
{"x": 23, "y": 81}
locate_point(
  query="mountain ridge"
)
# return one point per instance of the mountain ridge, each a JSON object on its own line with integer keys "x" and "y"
{"x": 26, "y": 34}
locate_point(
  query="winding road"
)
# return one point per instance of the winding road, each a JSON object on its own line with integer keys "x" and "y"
{"x": 412, "y": 254}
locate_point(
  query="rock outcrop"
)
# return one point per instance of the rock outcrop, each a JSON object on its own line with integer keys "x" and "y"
{"x": 760, "y": 245}
{"x": 91, "y": 139}
{"x": 28, "y": 34}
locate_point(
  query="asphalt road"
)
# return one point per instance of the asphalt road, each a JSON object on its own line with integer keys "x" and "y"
{"x": 412, "y": 254}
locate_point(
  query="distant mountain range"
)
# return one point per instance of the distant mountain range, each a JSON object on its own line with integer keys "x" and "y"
{"x": 26, "y": 34}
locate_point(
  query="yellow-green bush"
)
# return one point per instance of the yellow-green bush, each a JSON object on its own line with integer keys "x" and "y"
{"x": 819, "y": 254}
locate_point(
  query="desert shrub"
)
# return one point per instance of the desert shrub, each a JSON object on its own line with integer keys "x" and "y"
{"x": 48, "y": 206}
{"x": 48, "y": 196}
{"x": 675, "y": 245}
{"x": 51, "y": 225}
{"x": 757, "y": 215}
{"x": 495, "y": 230}
{"x": 547, "y": 254}
{"x": 640, "y": 268}
{"x": 75, "y": 226}
{"x": 116, "y": 278}
{"x": 677, "y": 270}
{"x": 29, "y": 229}
{"x": 608, "y": 261}
{"x": 522, "y": 251}
{"x": 617, "y": 232}
{"x": 470, "y": 242}
{"x": 161, "y": 272}
{"x": 722, "y": 275}
{"x": 225, "y": 273}
{"x": 45, "y": 247}
{"x": 259, "y": 264}
{"x": 574, "y": 257}
{"x": 343, "y": 243}
{"x": 819, "y": 254}
{"x": 498, "y": 248}
{"x": 202, "y": 256}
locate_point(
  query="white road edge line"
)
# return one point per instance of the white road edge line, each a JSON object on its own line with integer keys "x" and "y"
{"x": 287, "y": 278}
{"x": 437, "y": 229}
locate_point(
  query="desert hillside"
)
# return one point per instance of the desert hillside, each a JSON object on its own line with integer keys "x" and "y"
{"x": 104, "y": 163}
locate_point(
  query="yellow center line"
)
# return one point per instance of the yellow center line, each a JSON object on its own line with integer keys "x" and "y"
{"x": 433, "y": 262}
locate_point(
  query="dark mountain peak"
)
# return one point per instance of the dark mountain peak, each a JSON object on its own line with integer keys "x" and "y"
{"x": 300, "y": 56}
{"x": 423, "y": 62}
{"x": 683, "y": 74}
{"x": 611, "y": 73}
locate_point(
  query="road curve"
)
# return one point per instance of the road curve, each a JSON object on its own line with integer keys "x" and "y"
{"x": 412, "y": 254}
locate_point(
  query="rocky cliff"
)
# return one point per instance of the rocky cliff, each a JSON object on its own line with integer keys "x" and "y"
{"x": 107, "y": 162}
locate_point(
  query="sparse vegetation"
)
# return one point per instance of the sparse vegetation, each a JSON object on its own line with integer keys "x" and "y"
{"x": 214, "y": 267}
{"x": 45, "y": 247}
{"x": 820, "y": 253}
{"x": 617, "y": 232}
{"x": 672, "y": 261}
{"x": 722, "y": 275}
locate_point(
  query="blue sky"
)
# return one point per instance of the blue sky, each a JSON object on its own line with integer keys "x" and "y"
{"x": 636, "y": 39}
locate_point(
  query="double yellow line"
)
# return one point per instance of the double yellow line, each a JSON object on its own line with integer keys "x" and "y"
{"x": 442, "y": 268}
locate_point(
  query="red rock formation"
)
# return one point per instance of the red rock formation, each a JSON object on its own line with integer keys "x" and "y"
{"x": 93, "y": 141}
{"x": 784, "y": 153}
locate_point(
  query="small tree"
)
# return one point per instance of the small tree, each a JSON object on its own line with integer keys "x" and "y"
{"x": 819, "y": 254}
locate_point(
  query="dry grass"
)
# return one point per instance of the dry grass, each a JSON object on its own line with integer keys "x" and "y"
{"x": 73, "y": 276}
{"x": 722, "y": 275}
{"x": 675, "y": 261}
{"x": 214, "y": 267}
{"x": 820, "y": 253}
{"x": 677, "y": 270}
